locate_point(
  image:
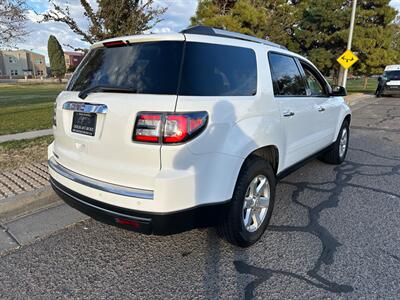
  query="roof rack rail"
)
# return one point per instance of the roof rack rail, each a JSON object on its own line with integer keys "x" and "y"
{"x": 206, "y": 30}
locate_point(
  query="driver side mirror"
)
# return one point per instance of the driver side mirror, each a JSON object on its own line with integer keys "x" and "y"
{"x": 338, "y": 91}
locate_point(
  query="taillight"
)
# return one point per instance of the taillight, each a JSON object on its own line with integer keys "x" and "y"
{"x": 182, "y": 127}
{"x": 148, "y": 128}
{"x": 169, "y": 128}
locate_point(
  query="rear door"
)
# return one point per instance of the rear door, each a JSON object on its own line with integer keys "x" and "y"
{"x": 296, "y": 108}
{"x": 93, "y": 136}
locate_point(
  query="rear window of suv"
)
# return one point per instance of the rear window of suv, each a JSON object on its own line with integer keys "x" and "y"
{"x": 147, "y": 68}
{"x": 155, "y": 68}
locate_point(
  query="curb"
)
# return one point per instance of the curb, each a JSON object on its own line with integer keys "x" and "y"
{"x": 23, "y": 204}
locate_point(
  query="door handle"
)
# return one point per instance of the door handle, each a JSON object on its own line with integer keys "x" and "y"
{"x": 288, "y": 113}
{"x": 321, "y": 109}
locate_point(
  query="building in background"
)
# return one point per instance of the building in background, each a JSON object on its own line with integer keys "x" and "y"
{"x": 2, "y": 69}
{"x": 72, "y": 59}
{"x": 22, "y": 63}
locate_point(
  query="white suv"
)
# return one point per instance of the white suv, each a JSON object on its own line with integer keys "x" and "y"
{"x": 163, "y": 133}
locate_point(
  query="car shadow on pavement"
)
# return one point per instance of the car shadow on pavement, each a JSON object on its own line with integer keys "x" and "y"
{"x": 343, "y": 178}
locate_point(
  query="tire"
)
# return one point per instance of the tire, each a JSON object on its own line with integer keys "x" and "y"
{"x": 232, "y": 225}
{"x": 378, "y": 92}
{"x": 335, "y": 154}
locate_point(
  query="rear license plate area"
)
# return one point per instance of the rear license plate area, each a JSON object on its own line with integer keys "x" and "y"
{"x": 84, "y": 123}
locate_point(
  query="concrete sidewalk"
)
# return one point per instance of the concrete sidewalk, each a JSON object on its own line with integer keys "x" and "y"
{"x": 25, "y": 135}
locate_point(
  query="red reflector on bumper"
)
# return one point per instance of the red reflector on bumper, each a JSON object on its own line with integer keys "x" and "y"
{"x": 132, "y": 223}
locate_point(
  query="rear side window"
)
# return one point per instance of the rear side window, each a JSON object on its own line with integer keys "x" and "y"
{"x": 286, "y": 76}
{"x": 218, "y": 70}
{"x": 147, "y": 68}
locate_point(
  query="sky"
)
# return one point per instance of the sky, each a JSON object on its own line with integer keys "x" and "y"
{"x": 175, "y": 19}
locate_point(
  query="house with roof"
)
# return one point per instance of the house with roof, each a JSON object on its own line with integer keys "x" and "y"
{"x": 72, "y": 59}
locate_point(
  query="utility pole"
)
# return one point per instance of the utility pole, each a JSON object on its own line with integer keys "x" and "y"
{"x": 350, "y": 40}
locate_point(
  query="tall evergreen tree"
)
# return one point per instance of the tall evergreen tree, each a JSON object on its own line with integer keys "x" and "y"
{"x": 56, "y": 56}
{"x": 373, "y": 37}
{"x": 244, "y": 16}
{"x": 320, "y": 28}
{"x": 317, "y": 29}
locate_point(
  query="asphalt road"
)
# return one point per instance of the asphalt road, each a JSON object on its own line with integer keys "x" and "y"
{"x": 335, "y": 233}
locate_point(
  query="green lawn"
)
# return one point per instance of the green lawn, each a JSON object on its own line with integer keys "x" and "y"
{"x": 27, "y": 107}
{"x": 357, "y": 85}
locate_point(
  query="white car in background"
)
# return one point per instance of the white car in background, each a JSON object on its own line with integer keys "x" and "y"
{"x": 389, "y": 82}
{"x": 163, "y": 133}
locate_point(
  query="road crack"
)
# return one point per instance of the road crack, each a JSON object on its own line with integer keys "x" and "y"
{"x": 10, "y": 234}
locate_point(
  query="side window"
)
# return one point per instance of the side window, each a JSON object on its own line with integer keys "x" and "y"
{"x": 218, "y": 70}
{"x": 286, "y": 76}
{"x": 315, "y": 84}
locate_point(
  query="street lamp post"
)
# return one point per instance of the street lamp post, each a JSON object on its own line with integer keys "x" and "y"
{"x": 350, "y": 39}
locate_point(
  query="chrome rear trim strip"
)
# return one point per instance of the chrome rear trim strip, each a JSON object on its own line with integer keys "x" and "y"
{"x": 100, "y": 185}
{"x": 86, "y": 107}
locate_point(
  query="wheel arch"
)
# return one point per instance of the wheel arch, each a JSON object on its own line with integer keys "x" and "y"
{"x": 347, "y": 118}
{"x": 270, "y": 153}
{"x": 344, "y": 117}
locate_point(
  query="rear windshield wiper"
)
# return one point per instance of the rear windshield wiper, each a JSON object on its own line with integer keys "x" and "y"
{"x": 107, "y": 89}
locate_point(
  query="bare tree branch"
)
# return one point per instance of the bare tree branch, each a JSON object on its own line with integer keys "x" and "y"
{"x": 76, "y": 49}
{"x": 112, "y": 18}
{"x": 12, "y": 21}
{"x": 59, "y": 14}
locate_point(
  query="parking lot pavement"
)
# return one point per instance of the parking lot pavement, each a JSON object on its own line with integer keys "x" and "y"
{"x": 334, "y": 234}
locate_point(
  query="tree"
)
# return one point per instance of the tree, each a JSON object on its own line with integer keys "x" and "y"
{"x": 56, "y": 56}
{"x": 396, "y": 38}
{"x": 12, "y": 21}
{"x": 373, "y": 37}
{"x": 244, "y": 16}
{"x": 112, "y": 18}
{"x": 317, "y": 29}
{"x": 282, "y": 17}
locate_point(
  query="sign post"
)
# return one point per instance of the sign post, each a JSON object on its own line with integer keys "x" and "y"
{"x": 349, "y": 41}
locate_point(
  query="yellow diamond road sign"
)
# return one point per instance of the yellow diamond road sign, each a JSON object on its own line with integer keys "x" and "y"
{"x": 347, "y": 59}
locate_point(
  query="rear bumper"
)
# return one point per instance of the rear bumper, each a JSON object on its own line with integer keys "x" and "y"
{"x": 144, "y": 222}
{"x": 184, "y": 183}
{"x": 100, "y": 185}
